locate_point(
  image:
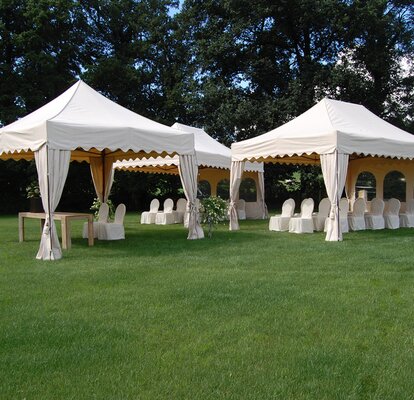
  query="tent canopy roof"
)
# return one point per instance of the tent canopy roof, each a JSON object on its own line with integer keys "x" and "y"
{"x": 328, "y": 126}
{"x": 209, "y": 153}
{"x": 83, "y": 119}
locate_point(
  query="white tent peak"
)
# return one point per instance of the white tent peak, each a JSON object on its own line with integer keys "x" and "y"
{"x": 83, "y": 118}
{"x": 329, "y": 126}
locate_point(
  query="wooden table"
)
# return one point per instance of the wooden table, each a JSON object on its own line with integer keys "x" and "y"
{"x": 64, "y": 218}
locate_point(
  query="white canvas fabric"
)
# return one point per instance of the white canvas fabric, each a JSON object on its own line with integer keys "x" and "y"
{"x": 261, "y": 194}
{"x": 334, "y": 168}
{"x": 103, "y": 215}
{"x": 167, "y": 215}
{"x": 343, "y": 214}
{"x": 52, "y": 166}
{"x": 407, "y": 218}
{"x": 391, "y": 217}
{"x": 148, "y": 217}
{"x": 322, "y": 214}
{"x": 236, "y": 172}
{"x": 188, "y": 174}
{"x": 303, "y": 223}
{"x": 113, "y": 230}
{"x": 356, "y": 220}
{"x": 280, "y": 223}
{"x": 327, "y": 127}
{"x": 375, "y": 218}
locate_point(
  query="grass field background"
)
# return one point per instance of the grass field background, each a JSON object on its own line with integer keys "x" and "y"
{"x": 251, "y": 314}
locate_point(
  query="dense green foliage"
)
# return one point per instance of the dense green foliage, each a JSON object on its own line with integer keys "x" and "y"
{"x": 252, "y": 314}
{"x": 233, "y": 67}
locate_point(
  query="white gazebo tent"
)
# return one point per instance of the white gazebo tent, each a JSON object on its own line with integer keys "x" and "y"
{"x": 213, "y": 160}
{"x": 335, "y": 134}
{"x": 83, "y": 125}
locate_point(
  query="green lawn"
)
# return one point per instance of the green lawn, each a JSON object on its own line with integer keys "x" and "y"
{"x": 245, "y": 315}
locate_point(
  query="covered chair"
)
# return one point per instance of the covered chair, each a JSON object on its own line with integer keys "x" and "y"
{"x": 319, "y": 218}
{"x": 407, "y": 217}
{"x": 391, "y": 217}
{"x": 241, "y": 209}
{"x": 375, "y": 219}
{"x": 303, "y": 223}
{"x": 148, "y": 217}
{"x": 167, "y": 216}
{"x": 180, "y": 211}
{"x": 113, "y": 230}
{"x": 280, "y": 222}
{"x": 103, "y": 215}
{"x": 356, "y": 220}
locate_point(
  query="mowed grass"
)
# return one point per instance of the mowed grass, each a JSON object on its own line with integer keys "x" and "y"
{"x": 251, "y": 314}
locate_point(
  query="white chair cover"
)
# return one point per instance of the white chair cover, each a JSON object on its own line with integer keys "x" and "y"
{"x": 304, "y": 223}
{"x": 407, "y": 217}
{"x": 356, "y": 220}
{"x": 241, "y": 209}
{"x": 103, "y": 215}
{"x": 280, "y": 222}
{"x": 113, "y": 230}
{"x": 148, "y": 217}
{"x": 391, "y": 217}
{"x": 167, "y": 216}
{"x": 180, "y": 211}
{"x": 375, "y": 219}
{"x": 319, "y": 218}
{"x": 343, "y": 216}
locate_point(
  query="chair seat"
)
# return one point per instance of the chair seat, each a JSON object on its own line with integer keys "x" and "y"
{"x": 374, "y": 221}
{"x": 278, "y": 223}
{"x": 301, "y": 225}
{"x": 356, "y": 223}
{"x": 406, "y": 220}
{"x": 241, "y": 214}
{"x": 391, "y": 221}
{"x": 319, "y": 222}
{"x": 111, "y": 231}
{"x": 148, "y": 217}
{"x": 96, "y": 225}
{"x": 165, "y": 218}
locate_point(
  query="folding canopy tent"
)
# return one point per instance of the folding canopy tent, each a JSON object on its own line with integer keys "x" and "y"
{"x": 83, "y": 125}
{"x": 213, "y": 160}
{"x": 332, "y": 133}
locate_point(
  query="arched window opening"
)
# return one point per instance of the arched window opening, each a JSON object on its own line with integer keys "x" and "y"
{"x": 248, "y": 191}
{"x": 223, "y": 189}
{"x": 366, "y": 186}
{"x": 204, "y": 189}
{"x": 394, "y": 186}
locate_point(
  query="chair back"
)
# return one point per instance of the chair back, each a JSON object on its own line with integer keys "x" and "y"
{"x": 377, "y": 206}
{"x": 393, "y": 206}
{"x": 181, "y": 205}
{"x": 359, "y": 207}
{"x": 103, "y": 213}
{"x": 343, "y": 207}
{"x": 324, "y": 207}
{"x": 288, "y": 208}
{"x": 409, "y": 206}
{"x": 120, "y": 214}
{"x": 168, "y": 205}
{"x": 306, "y": 208}
{"x": 154, "y": 205}
{"x": 241, "y": 205}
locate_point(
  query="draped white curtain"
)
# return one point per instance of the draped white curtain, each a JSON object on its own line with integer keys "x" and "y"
{"x": 188, "y": 173}
{"x": 102, "y": 176}
{"x": 334, "y": 168}
{"x": 261, "y": 194}
{"x": 236, "y": 172}
{"x": 52, "y": 169}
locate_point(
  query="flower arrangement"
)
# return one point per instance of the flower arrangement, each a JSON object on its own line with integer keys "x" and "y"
{"x": 96, "y": 205}
{"x": 33, "y": 190}
{"x": 214, "y": 210}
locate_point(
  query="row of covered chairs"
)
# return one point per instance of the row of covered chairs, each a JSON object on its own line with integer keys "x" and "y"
{"x": 308, "y": 221}
{"x": 168, "y": 215}
{"x": 105, "y": 230}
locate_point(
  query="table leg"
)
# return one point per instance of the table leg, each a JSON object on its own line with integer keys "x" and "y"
{"x": 90, "y": 231}
{"x": 21, "y": 228}
{"x": 64, "y": 233}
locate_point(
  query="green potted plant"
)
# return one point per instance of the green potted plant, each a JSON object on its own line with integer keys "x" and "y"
{"x": 214, "y": 210}
{"x": 33, "y": 194}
